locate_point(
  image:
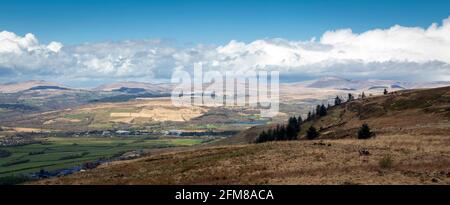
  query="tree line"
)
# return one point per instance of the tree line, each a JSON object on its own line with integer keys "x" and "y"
{"x": 293, "y": 127}
{"x": 282, "y": 132}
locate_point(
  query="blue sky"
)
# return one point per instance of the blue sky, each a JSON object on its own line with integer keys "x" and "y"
{"x": 86, "y": 41}
{"x": 208, "y": 22}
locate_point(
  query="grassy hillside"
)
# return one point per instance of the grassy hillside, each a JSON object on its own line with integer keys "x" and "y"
{"x": 412, "y": 146}
{"x": 412, "y": 112}
{"x": 396, "y": 159}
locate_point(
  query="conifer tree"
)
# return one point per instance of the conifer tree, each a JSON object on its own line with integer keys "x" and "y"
{"x": 262, "y": 137}
{"x": 337, "y": 101}
{"x": 312, "y": 133}
{"x": 364, "y": 132}
{"x": 299, "y": 120}
{"x": 292, "y": 128}
{"x": 350, "y": 97}
{"x": 318, "y": 110}
{"x": 309, "y": 116}
{"x": 322, "y": 110}
{"x": 299, "y": 123}
{"x": 270, "y": 135}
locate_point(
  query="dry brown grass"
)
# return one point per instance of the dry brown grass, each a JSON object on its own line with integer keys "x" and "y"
{"x": 412, "y": 146}
{"x": 415, "y": 160}
{"x": 161, "y": 114}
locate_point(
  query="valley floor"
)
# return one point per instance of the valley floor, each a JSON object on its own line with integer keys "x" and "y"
{"x": 391, "y": 159}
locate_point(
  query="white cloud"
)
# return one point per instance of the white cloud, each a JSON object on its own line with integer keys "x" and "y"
{"x": 396, "y": 43}
{"x": 403, "y": 52}
{"x": 12, "y": 43}
{"x": 54, "y": 46}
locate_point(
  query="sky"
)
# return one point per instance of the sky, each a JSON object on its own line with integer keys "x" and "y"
{"x": 92, "y": 41}
{"x": 209, "y": 21}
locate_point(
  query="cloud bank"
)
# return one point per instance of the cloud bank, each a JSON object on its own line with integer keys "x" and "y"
{"x": 411, "y": 53}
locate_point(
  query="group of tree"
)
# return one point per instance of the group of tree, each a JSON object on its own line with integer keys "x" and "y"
{"x": 319, "y": 111}
{"x": 364, "y": 132}
{"x": 291, "y": 130}
{"x": 282, "y": 132}
{"x": 338, "y": 100}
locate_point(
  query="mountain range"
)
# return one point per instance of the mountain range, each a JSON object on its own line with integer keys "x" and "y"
{"x": 331, "y": 82}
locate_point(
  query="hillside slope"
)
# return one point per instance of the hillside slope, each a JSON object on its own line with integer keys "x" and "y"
{"x": 413, "y": 112}
{"x": 412, "y": 146}
{"x": 18, "y": 87}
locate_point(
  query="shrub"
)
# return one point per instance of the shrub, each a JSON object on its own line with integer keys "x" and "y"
{"x": 4, "y": 153}
{"x": 312, "y": 133}
{"x": 364, "y": 132}
{"x": 386, "y": 162}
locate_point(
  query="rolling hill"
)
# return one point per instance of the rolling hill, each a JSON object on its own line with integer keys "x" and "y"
{"x": 127, "y": 86}
{"x": 29, "y": 85}
{"x": 411, "y": 147}
{"x": 333, "y": 82}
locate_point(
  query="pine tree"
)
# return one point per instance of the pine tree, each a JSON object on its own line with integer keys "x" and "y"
{"x": 313, "y": 115}
{"x": 270, "y": 135}
{"x": 293, "y": 122}
{"x": 337, "y": 101}
{"x": 363, "y": 95}
{"x": 322, "y": 110}
{"x": 262, "y": 137}
{"x": 309, "y": 116}
{"x": 318, "y": 110}
{"x": 282, "y": 133}
{"x": 277, "y": 133}
{"x": 290, "y": 132}
{"x": 299, "y": 123}
{"x": 350, "y": 97}
{"x": 292, "y": 128}
{"x": 299, "y": 120}
{"x": 364, "y": 132}
{"x": 312, "y": 133}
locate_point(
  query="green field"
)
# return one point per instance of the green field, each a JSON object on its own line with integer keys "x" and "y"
{"x": 59, "y": 152}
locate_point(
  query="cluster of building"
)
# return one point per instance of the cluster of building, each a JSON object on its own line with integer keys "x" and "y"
{"x": 15, "y": 141}
{"x": 111, "y": 133}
